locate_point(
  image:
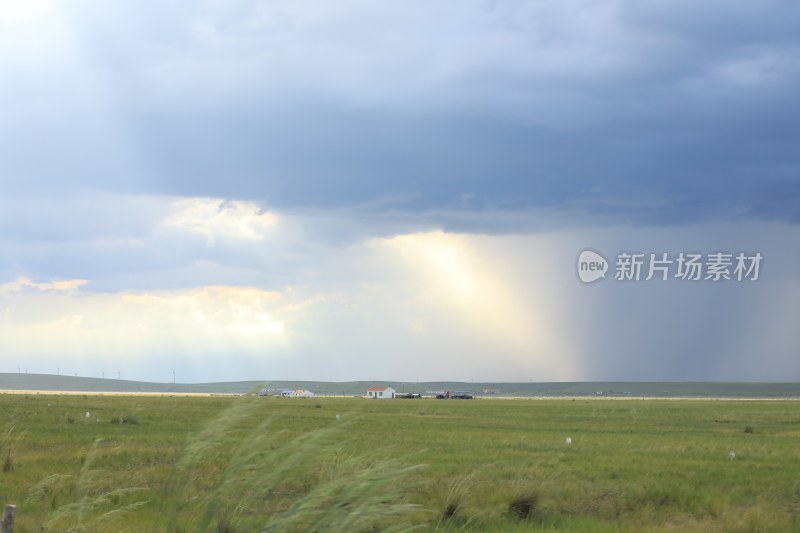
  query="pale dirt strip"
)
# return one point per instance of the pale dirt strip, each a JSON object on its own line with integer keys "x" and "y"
{"x": 114, "y": 393}
{"x": 492, "y": 398}
{"x": 648, "y": 398}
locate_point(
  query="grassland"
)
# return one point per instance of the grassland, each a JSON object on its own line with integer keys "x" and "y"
{"x": 249, "y": 464}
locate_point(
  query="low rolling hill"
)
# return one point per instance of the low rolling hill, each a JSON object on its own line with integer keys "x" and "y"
{"x": 50, "y": 382}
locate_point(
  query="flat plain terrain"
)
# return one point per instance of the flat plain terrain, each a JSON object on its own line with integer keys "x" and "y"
{"x": 170, "y": 463}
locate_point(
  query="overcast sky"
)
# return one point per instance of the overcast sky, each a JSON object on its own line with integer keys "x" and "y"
{"x": 352, "y": 189}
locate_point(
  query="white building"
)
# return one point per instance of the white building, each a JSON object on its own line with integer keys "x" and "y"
{"x": 380, "y": 392}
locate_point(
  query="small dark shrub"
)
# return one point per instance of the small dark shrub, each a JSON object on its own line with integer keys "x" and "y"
{"x": 318, "y": 406}
{"x": 523, "y": 506}
{"x": 126, "y": 419}
{"x": 8, "y": 464}
{"x": 748, "y": 429}
{"x": 70, "y": 419}
{"x": 225, "y": 525}
{"x": 450, "y": 510}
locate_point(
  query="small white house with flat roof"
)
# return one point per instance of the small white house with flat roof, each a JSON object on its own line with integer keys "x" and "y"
{"x": 380, "y": 392}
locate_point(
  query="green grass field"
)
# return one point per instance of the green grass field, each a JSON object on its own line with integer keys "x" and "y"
{"x": 190, "y": 464}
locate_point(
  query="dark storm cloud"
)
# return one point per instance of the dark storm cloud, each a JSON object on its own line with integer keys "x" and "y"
{"x": 656, "y": 113}
{"x": 327, "y": 160}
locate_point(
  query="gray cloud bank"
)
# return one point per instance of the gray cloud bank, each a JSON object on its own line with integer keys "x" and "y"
{"x": 654, "y": 113}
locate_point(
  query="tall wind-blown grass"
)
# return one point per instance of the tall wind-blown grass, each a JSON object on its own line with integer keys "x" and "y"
{"x": 240, "y": 474}
{"x": 91, "y": 508}
{"x": 8, "y": 442}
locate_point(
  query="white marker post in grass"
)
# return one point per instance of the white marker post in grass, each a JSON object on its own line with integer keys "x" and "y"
{"x": 569, "y": 440}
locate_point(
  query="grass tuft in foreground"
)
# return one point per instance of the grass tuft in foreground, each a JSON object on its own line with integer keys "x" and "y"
{"x": 7, "y": 444}
{"x": 273, "y": 480}
{"x": 523, "y": 506}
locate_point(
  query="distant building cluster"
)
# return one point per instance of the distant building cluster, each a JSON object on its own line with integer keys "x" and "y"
{"x": 298, "y": 393}
{"x": 376, "y": 392}
{"x": 381, "y": 392}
